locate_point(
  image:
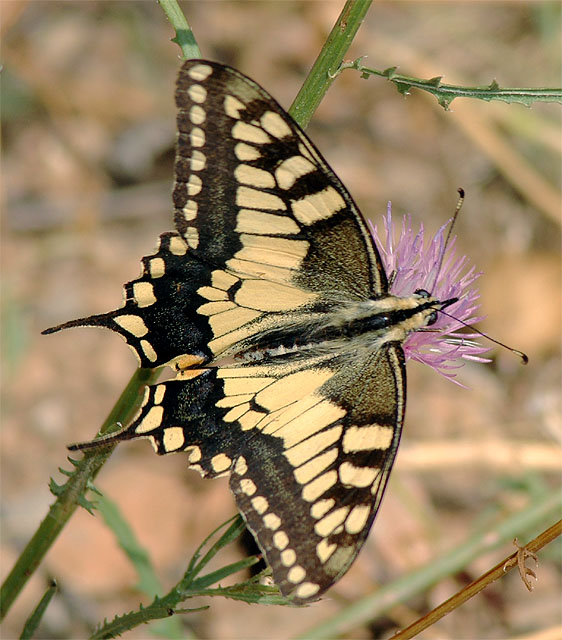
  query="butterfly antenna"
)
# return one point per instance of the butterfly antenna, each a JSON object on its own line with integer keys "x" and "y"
{"x": 453, "y": 220}
{"x": 524, "y": 357}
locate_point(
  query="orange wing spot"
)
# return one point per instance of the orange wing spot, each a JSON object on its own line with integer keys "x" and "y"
{"x": 187, "y": 361}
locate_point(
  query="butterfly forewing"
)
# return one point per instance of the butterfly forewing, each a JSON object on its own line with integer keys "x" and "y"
{"x": 243, "y": 164}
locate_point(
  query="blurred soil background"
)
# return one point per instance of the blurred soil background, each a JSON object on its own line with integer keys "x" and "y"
{"x": 88, "y": 137}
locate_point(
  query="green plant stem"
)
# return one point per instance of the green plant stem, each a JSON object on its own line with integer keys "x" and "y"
{"x": 71, "y": 493}
{"x": 184, "y": 35}
{"x": 403, "y": 589}
{"x": 329, "y": 60}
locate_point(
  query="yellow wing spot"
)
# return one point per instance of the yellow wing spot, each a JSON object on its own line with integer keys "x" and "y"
{"x": 309, "y": 423}
{"x": 151, "y": 420}
{"x": 291, "y": 169}
{"x": 249, "y": 133}
{"x": 357, "y": 518}
{"x": 157, "y": 267}
{"x": 222, "y": 280}
{"x": 200, "y": 72}
{"x": 198, "y": 160}
{"x": 296, "y": 574}
{"x": 148, "y": 350}
{"x": 192, "y": 237}
{"x": 132, "y": 324}
{"x": 143, "y": 293}
{"x": 221, "y": 463}
{"x": 159, "y": 393}
{"x": 248, "y": 487}
{"x": 286, "y": 389}
{"x": 324, "y": 550}
{"x": 256, "y": 199}
{"x": 173, "y": 438}
{"x": 260, "y": 504}
{"x": 236, "y": 412}
{"x": 330, "y": 522}
{"x": 211, "y": 308}
{"x": 197, "y": 115}
{"x": 232, "y": 334}
{"x": 233, "y": 106}
{"x": 246, "y": 153}
{"x": 246, "y": 174}
{"x": 321, "y": 507}
{"x": 234, "y": 401}
{"x": 301, "y": 453}
{"x": 197, "y": 137}
{"x": 241, "y": 466}
{"x": 197, "y": 93}
{"x": 280, "y": 252}
{"x": 281, "y": 540}
{"x": 313, "y": 490}
{"x": 250, "y": 420}
{"x": 306, "y": 590}
{"x": 318, "y": 206}
{"x": 274, "y": 124}
{"x": 262, "y": 223}
{"x": 178, "y": 246}
{"x": 353, "y": 476}
{"x": 145, "y": 398}
{"x": 237, "y": 386}
{"x": 272, "y": 521}
{"x": 367, "y": 438}
{"x": 246, "y": 269}
{"x": 190, "y": 210}
{"x": 271, "y": 296}
{"x": 194, "y": 185}
{"x": 194, "y": 454}
{"x": 288, "y": 557}
{"x": 315, "y": 466}
{"x": 227, "y": 321}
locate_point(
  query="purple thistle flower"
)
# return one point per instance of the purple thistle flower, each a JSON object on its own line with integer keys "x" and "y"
{"x": 414, "y": 266}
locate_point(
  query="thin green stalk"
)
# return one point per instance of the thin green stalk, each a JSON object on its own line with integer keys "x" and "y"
{"x": 71, "y": 494}
{"x": 329, "y": 60}
{"x": 34, "y": 619}
{"x": 446, "y": 93}
{"x": 184, "y": 35}
{"x": 405, "y": 588}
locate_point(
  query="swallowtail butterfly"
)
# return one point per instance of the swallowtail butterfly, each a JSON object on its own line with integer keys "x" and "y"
{"x": 271, "y": 302}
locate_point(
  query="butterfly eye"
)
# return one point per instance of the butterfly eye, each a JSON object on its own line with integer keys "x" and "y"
{"x": 422, "y": 293}
{"x": 432, "y": 319}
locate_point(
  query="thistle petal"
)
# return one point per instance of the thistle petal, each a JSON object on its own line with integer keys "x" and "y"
{"x": 411, "y": 264}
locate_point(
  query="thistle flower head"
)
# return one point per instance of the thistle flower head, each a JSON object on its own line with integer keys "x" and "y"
{"x": 411, "y": 264}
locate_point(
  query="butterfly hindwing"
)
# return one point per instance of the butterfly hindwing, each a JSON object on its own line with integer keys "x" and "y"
{"x": 309, "y": 445}
{"x": 310, "y": 482}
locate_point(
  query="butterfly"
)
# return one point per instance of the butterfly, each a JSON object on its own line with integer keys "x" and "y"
{"x": 272, "y": 305}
